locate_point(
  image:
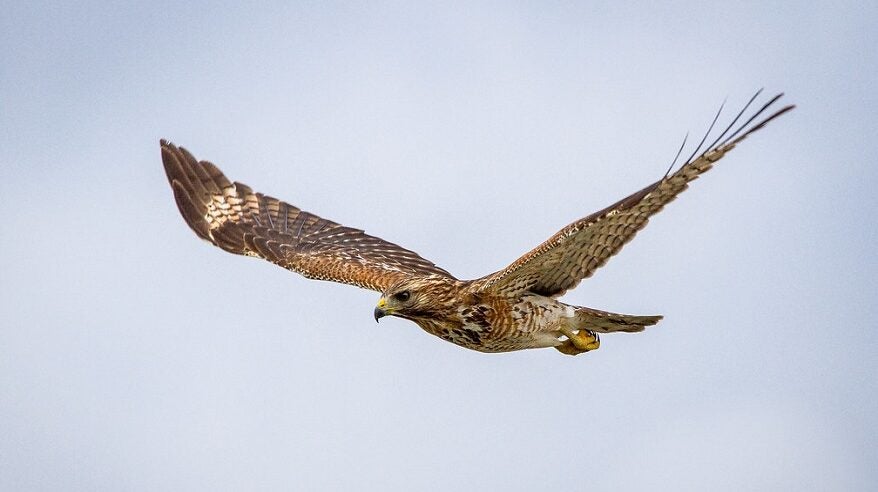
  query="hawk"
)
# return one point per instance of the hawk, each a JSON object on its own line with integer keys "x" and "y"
{"x": 512, "y": 309}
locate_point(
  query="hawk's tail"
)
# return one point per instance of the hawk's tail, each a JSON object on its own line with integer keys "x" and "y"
{"x": 605, "y": 322}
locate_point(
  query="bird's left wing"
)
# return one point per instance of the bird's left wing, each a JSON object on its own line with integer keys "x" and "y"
{"x": 241, "y": 221}
{"x": 576, "y": 251}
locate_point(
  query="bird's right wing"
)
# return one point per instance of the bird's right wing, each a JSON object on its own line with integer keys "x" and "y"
{"x": 238, "y": 220}
{"x": 576, "y": 251}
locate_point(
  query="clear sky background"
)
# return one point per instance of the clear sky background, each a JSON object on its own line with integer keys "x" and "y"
{"x": 135, "y": 357}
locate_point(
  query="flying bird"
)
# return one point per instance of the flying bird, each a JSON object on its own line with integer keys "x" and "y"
{"x": 512, "y": 309}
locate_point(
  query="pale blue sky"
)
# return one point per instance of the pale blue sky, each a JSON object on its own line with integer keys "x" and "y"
{"x": 135, "y": 357}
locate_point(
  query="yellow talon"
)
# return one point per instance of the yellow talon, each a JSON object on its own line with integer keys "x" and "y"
{"x": 586, "y": 340}
{"x": 579, "y": 342}
{"x": 567, "y": 347}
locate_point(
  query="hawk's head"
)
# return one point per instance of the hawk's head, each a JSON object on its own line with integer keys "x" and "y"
{"x": 416, "y": 298}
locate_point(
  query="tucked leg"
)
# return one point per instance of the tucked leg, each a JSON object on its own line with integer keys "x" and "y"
{"x": 578, "y": 342}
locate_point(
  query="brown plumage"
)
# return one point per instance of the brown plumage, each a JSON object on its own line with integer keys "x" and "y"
{"x": 512, "y": 309}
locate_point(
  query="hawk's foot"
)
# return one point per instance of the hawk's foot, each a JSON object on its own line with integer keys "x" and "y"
{"x": 579, "y": 342}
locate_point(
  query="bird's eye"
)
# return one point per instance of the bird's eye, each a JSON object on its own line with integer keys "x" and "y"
{"x": 402, "y": 296}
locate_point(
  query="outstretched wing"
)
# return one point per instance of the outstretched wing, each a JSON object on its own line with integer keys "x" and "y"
{"x": 576, "y": 251}
{"x": 238, "y": 220}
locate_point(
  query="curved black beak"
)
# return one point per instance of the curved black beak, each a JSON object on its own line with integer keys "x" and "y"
{"x": 379, "y": 313}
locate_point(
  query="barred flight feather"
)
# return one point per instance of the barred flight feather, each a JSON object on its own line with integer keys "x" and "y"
{"x": 579, "y": 249}
{"x": 233, "y": 217}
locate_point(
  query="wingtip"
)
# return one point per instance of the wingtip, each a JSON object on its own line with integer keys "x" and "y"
{"x": 173, "y": 167}
{"x": 166, "y": 144}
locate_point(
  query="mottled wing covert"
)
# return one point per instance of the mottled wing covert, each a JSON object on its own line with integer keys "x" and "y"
{"x": 241, "y": 221}
{"x": 576, "y": 251}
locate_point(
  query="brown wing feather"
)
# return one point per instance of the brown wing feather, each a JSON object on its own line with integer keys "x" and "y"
{"x": 233, "y": 217}
{"x": 576, "y": 251}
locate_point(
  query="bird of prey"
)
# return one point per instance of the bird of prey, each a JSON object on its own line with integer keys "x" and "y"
{"x": 512, "y": 309}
